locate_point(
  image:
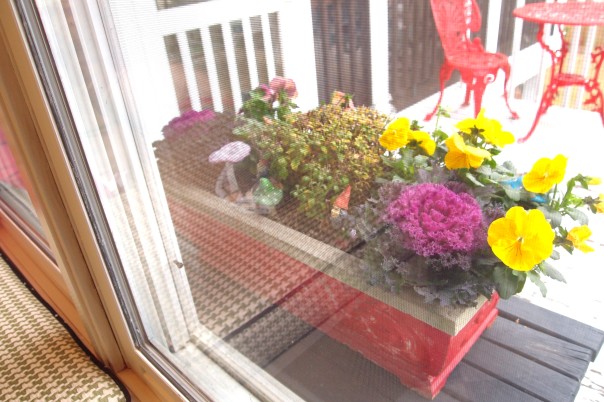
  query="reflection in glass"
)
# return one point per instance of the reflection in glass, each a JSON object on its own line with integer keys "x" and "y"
{"x": 14, "y": 198}
{"x": 225, "y": 253}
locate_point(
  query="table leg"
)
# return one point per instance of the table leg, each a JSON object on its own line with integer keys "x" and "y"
{"x": 592, "y": 85}
{"x": 546, "y": 101}
{"x": 556, "y": 72}
{"x": 595, "y": 97}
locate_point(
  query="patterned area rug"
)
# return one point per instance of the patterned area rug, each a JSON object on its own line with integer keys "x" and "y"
{"x": 40, "y": 359}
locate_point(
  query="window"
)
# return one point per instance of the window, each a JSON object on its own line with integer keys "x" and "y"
{"x": 224, "y": 294}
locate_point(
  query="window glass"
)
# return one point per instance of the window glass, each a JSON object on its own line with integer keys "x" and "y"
{"x": 14, "y": 197}
{"x": 225, "y": 142}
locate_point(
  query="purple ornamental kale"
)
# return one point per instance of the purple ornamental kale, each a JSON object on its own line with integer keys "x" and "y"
{"x": 435, "y": 220}
{"x": 179, "y": 124}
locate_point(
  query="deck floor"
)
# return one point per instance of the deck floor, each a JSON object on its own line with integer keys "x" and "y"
{"x": 528, "y": 354}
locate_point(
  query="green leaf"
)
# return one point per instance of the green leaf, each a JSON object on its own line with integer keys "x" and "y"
{"x": 473, "y": 179}
{"x": 552, "y": 272}
{"x": 407, "y": 155}
{"x": 439, "y": 135}
{"x": 484, "y": 169}
{"x": 421, "y": 160}
{"x": 536, "y": 279}
{"x": 507, "y": 167}
{"x": 513, "y": 193}
{"x": 578, "y": 216}
{"x": 295, "y": 163}
{"x": 555, "y": 255}
{"x": 507, "y": 282}
{"x": 554, "y": 217}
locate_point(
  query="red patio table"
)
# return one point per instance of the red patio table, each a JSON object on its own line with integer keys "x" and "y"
{"x": 560, "y": 14}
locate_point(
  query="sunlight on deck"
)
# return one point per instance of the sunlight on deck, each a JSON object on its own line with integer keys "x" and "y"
{"x": 579, "y": 135}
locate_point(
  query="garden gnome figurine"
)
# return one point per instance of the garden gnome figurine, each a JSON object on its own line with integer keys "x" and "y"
{"x": 267, "y": 196}
{"x": 341, "y": 99}
{"x": 340, "y": 205}
{"x": 231, "y": 153}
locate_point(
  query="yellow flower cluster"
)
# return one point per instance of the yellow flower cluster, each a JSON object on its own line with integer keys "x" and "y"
{"x": 521, "y": 239}
{"x": 490, "y": 129}
{"x": 399, "y": 134}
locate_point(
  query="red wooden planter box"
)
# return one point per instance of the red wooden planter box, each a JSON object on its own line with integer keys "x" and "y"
{"x": 421, "y": 356}
{"x": 420, "y": 344}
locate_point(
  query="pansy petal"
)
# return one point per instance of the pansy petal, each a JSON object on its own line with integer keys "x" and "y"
{"x": 462, "y": 156}
{"x": 476, "y": 156}
{"x": 396, "y": 134}
{"x": 578, "y": 236}
{"x": 558, "y": 168}
{"x": 545, "y": 174}
{"x": 392, "y": 140}
{"x": 521, "y": 239}
{"x": 600, "y": 204}
{"x": 424, "y": 140}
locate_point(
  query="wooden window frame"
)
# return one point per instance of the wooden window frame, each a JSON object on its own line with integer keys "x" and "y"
{"x": 74, "y": 285}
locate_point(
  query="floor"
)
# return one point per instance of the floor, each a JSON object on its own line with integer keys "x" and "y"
{"x": 578, "y": 135}
{"x": 527, "y": 354}
{"x": 41, "y": 360}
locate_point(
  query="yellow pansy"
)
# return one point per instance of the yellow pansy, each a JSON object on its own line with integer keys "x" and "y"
{"x": 594, "y": 181}
{"x": 544, "y": 174}
{"x": 521, "y": 239}
{"x": 396, "y": 134}
{"x": 600, "y": 205}
{"x": 462, "y": 156}
{"x": 578, "y": 236}
{"x": 490, "y": 129}
{"x": 423, "y": 140}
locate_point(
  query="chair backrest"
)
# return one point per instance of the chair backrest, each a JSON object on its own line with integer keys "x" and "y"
{"x": 454, "y": 20}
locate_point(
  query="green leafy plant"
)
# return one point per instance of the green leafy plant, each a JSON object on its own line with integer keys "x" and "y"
{"x": 272, "y": 101}
{"x": 452, "y": 223}
{"x": 318, "y": 154}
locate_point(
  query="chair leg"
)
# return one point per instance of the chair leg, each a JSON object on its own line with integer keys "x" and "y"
{"x": 506, "y": 70}
{"x": 479, "y": 86}
{"x": 466, "y": 100}
{"x": 444, "y": 75}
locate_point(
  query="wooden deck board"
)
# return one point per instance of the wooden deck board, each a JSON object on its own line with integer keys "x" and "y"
{"x": 522, "y": 373}
{"x": 559, "y": 355}
{"x": 554, "y": 324}
{"x": 319, "y": 368}
{"x": 520, "y": 368}
{"x": 471, "y": 384}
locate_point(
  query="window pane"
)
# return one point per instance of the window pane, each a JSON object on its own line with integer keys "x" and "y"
{"x": 227, "y": 142}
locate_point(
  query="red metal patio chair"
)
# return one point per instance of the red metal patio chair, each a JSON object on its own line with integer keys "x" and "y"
{"x": 455, "y": 19}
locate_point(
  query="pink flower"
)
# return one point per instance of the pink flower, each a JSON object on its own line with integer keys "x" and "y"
{"x": 269, "y": 94}
{"x": 435, "y": 220}
{"x": 287, "y": 85}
